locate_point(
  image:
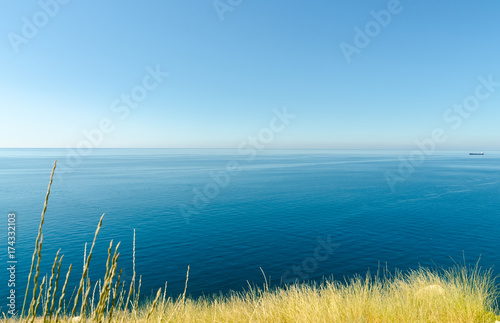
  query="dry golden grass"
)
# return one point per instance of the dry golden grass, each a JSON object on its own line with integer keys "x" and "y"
{"x": 459, "y": 294}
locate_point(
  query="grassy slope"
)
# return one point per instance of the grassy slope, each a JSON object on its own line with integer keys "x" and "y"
{"x": 459, "y": 294}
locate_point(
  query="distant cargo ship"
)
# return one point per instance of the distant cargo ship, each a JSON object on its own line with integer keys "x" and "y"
{"x": 480, "y": 154}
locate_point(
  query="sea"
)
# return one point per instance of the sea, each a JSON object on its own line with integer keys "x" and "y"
{"x": 239, "y": 219}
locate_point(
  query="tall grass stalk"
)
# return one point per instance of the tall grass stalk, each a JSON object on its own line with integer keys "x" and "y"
{"x": 38, "y": 236}
{"x": 49, "y": 295}
{"x": 86, "y": 268}
{"x": 55, "y": 288}
{"x": 63, "y": 293}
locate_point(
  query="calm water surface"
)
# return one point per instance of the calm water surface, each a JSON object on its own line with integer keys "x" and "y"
{"x": 295, "y": 214}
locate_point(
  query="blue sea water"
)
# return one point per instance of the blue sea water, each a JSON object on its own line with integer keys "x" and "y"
{"x": 295, "y": 214}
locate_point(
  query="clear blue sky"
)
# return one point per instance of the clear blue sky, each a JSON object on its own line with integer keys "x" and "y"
{"x": 225, "y": 77}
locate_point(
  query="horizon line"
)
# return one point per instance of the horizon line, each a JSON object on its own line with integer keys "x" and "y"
{"x": 279, "y": 148}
